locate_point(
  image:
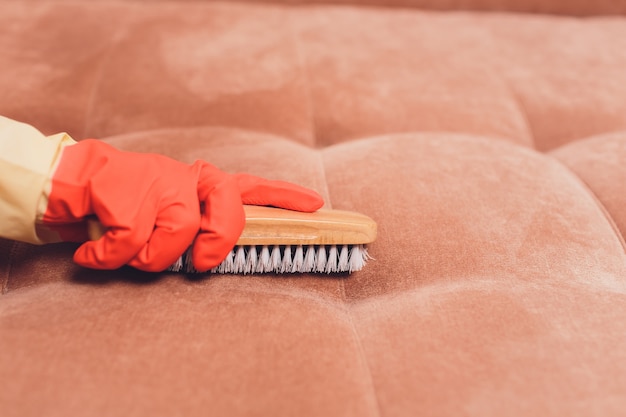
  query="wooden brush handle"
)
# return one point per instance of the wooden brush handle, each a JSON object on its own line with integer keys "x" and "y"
{"x": 269, "y": 225}
{"x": 275, "y": 226}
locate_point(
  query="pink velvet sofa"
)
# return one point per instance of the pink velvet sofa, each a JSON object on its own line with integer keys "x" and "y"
{"x": 487, "y": 138}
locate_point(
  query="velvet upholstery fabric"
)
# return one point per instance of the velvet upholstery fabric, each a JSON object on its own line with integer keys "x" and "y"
{"x": 490, "y": 147}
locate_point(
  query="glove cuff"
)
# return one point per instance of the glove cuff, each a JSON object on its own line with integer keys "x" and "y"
{"x": 67, "y": 197}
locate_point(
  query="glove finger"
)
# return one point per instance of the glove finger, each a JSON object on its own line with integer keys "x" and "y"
{"x": 262, "y": 192}
{"x": 120, "y": 242}
{"x": 221, "y": 225}
{"x": 114, "y": 249}
{"x": 176, "y": 228}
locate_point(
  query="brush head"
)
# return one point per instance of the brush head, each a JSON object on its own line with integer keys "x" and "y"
{"x": 288, "y": 242}
{"x": 284, "y": 259}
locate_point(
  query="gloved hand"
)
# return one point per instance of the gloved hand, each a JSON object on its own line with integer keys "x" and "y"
{"x": 154, "y": 207}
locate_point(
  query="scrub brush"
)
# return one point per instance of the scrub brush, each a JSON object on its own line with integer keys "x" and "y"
{"x": 276, "y": 240}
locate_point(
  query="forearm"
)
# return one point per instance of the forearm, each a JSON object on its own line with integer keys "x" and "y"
{"x": 28, "y": 159}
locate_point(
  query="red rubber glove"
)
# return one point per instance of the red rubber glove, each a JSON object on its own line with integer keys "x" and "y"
{"x": 154, "y": 207}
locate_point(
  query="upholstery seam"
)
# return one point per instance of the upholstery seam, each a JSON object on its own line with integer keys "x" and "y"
{"x": 598, "y": 203}
{"x": 517, "y": 100}
{"x": 303, "y": 62}
{"x": 361, "y": 350}
{"x": 99, "y": 76}
{"x": 521, "y": 107}
{"x": 506, "y": 82}
{"x": 348, "y": 310}
{"x": 328, "y": 203}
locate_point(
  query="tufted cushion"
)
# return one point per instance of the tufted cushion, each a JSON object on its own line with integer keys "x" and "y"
{"x": 489, "y": 147}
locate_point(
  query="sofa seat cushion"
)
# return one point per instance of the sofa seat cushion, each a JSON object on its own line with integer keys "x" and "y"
{"x": 489, "y": 148}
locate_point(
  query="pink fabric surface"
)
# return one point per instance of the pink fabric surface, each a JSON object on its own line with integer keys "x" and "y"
{"x": 570, "y": 7}
{"x": 489, "y": 147}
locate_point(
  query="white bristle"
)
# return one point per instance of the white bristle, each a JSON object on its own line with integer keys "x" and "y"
{"x": 275, "y": 259}
{"x": 251, "y": 260}
{"x": 344, "y": 255}
{"x": 227, "y": 264}
{"x": 178, "y": 265}
{"x": 309, "y": 259}
{"x": 240, "y": 259}
{"x": 286, "y": 264}
{"x": 188, "y": 264}
{"x": 358, "y": 257}
{"x": 320, "y": 262}
{"x": 263, "y": 264}
{"x": 331, "y": 263}
{"x": 298, "y": 259}
{"x": 288, "y": 259}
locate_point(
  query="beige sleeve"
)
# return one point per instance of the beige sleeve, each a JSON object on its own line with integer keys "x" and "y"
{"x": 27, "y": 160}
